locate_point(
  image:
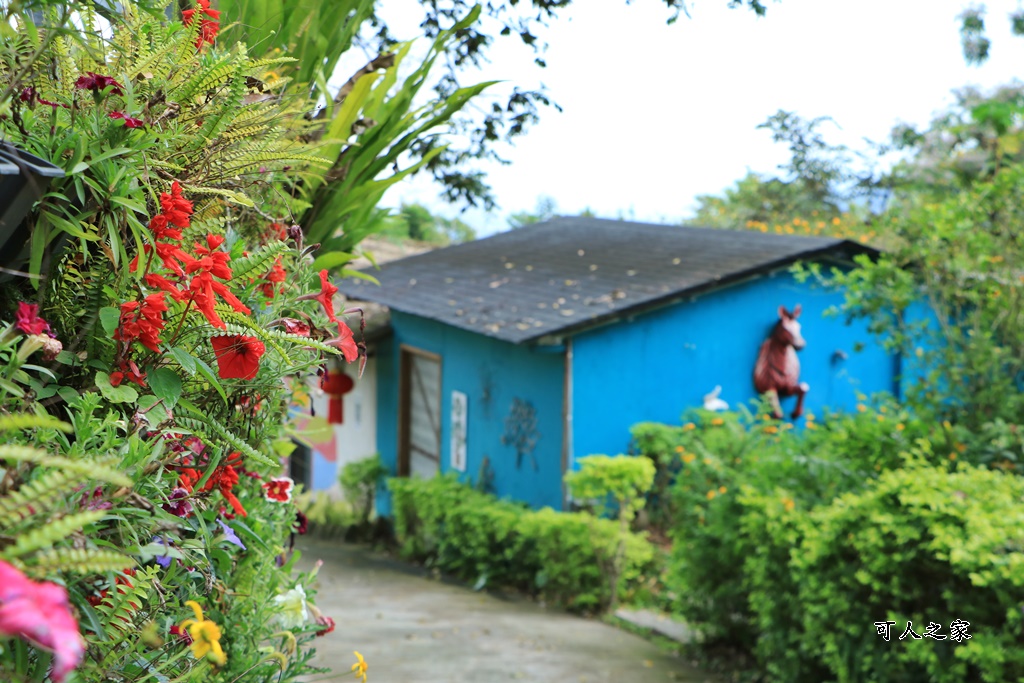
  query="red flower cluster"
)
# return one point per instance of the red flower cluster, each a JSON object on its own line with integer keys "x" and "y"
{"x": 202, "y": 289}
{"x": 224, "y": 478}
{"x": 277, "y": 274}
{"x": 238, "y": 356}
{"x": 98, "y": 83}
{"x": 130, "y": 371}
{"x": 28, "y": 321}
{"x": 208, "y": 27}
{"x": 143, "y": 322}
{"x": 129, "y": 122}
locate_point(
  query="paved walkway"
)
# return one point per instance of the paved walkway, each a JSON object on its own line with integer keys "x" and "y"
{"x": 413, "y": 629}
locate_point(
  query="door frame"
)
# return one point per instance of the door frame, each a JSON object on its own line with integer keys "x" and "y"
{"x": 405, "y": 354}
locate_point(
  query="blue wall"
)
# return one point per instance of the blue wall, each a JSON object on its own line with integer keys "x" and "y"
{"x": 491, "y": 373}
{"x": 667, "y": 360}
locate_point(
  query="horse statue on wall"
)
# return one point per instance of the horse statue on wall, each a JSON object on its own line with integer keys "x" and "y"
{"x": 777, "y": 371}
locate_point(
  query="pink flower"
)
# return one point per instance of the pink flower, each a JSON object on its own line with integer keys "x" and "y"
{"x": 129, "y": 122}
{"x": 279, "y": 489}
{"x": 28, "y": 320}
{"x": 40, "y": 613}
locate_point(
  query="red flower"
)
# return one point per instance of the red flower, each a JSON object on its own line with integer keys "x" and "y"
{"x": 325, "y": 297}
{"x": 279, "y": 489}
{"x": 176, "y": 208}
{"x": 208, "y": 28}
{"x": 346, "y": 342}
{"x": 40, "y": 613}
{"x": 116, "y": 378}
{"x": 277, "y": 274}
{"x": 203, "y": 287}
{"x": 28, "y": 320}
{"x": 293, "y": 326}
{"x": 98, "y": 83}
{"x": 182, "y": 634}
{"x": 142, "y": 323}
{"x": 301, "y": 523}
{"x": 129, "y": 122}
{"x": 238, "y": 356}
{"x": 224, "y": 478}
{"x": 324, "y": 620}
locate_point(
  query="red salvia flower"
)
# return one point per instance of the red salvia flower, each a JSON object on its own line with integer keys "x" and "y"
{"x": 129, "y": 122}
{"x": 143, "y": 323}
{"x": 223, "y": 478}
{"x": 28, "y": 321}
{"x": 175, "y": 207}
{"x": 208, "y": 27}
{"x": 98, "y": 83}
{"x": 238, "y": 356}
{"x": 279, "y": 489}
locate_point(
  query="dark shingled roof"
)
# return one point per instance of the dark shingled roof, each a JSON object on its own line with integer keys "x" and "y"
{"x": 568, "y": 274}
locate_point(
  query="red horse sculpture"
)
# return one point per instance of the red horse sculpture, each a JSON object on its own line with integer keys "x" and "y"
{"x": 777, "y": 371}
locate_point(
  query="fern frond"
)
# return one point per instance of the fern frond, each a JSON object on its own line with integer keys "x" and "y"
{"x": 51, "y": 532}
{"x": 236, "y": 197}
{"x": 259, "y": 261}
{"x": 36, "y": 496}
{"x": 201, "y": 424}
{"x": 77, "y": 561}
{"x": 88, "y": 468}
{"x": 256, "y": 64}
{"x": 205, "y": 78}
{"x": 125, "y": 599}
{"x": 19, "y": 421}
{"x": 225, "y": 114}
{"x": 263, "y": 158}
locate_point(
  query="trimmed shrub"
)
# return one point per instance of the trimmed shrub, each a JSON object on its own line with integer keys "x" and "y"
{"x": 564, "y": 558}
{"x": 924, "y": 546}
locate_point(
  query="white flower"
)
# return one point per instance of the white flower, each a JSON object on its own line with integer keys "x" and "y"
{"x": 292, "y": 611}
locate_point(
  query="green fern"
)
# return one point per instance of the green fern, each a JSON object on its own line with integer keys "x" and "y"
{"x": 125, "y": 600}
{"x": 259, "y": 261}
{"x": 51, "y": 532}
{"x": 88, "y": 469}
{"x": 211, "y": 431}
{"x": 20, "y": 421}
{"x": 38, "y": 494}
{"x": 77, "y": 561}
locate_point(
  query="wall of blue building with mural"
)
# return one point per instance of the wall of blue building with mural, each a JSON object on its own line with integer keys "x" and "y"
{"x": 657, "y": 365}
{"x": 514, "y": 407}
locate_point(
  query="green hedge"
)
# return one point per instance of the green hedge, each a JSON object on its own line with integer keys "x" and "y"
{"x": 790, "y": 546}
{"x": 564, "y": 558}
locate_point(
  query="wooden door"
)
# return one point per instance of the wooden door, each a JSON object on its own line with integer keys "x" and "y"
{"x": 419, "y": 444}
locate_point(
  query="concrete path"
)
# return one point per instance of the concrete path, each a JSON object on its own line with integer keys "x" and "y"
{"x": 414, "y": 629}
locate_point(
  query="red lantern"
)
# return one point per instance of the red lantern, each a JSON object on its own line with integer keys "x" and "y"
{"x": 336, "y": 384}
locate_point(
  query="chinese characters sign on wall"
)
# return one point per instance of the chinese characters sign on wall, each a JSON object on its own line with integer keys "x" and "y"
{"x": 458, "y": 417}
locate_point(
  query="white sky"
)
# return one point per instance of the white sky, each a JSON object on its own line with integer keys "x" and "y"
{"x": 655, "y": 115}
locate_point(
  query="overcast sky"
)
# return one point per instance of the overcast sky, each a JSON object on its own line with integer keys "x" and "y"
{"x": 657, "y": 114}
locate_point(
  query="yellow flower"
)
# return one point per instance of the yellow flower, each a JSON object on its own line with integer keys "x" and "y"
{"x": 680, "y": 449}
{"x": 900, "y": 427}
{"x": 360, "y": 667}
{"x": 835, "y": 221}
{"x": 861, "y": 408}
{"x": 688, "y": 458}
{"x": 717, "y": 422}
{"x": 952, "y": 456}
{"x": 711, "y": 495}
{"x": 722, "y": 489}
{"x": 689, "y": 426}
{"x": 205, "y": 636}
{"x": 770, "y": 429}
{"x": 788, "y": 504}
{"x": 707, "y": 461}
{"x": 811, "y": 425}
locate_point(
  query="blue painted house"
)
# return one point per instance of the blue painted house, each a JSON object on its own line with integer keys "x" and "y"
{"x": 512, "y": 356}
